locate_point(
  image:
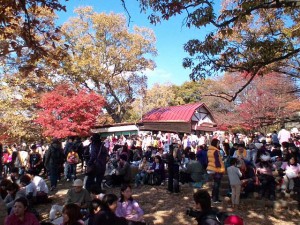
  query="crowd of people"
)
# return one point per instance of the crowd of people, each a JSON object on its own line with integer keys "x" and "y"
{"x": 260, "y": 163}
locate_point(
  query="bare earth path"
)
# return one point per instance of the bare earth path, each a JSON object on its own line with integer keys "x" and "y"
{"x": 162, "y": 207}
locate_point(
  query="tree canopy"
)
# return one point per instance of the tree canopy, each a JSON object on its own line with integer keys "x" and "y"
{"x": 106, "y": 57}
{"x": 250, "y": 37}
{"x": 67, "y": 112}
{"x": 28, "y": 34}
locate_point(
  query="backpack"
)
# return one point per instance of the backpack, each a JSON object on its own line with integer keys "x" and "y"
{"x": 217, "y": 217}
{"x": 6, "y": 158}
{"x": 72, "y": 158}
{"x": 223, "y": 218}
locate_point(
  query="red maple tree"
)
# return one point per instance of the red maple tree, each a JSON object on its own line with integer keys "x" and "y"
{"x": 67, "y": 112}
{"x": 268, "y": 101}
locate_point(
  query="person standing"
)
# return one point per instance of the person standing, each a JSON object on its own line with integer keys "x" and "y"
{"x": 35, "y": 160}
{"x": 53, "y": 160}
{"x": 215, "y": 168}
{"x": 284, "y": 135}
{"x": 98, "y": 159}
{"x": 234, "y": 175}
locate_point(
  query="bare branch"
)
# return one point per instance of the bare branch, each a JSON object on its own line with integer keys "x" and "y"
{"x": 128, "y": 14}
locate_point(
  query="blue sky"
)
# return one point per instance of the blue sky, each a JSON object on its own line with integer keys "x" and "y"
{"x": 170, "y": 36}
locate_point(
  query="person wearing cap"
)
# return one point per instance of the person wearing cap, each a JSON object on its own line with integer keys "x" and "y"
{"x": 77, "y": 195}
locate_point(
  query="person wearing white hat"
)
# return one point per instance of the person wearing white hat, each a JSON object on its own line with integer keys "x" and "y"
{"x": 77, "y": 195}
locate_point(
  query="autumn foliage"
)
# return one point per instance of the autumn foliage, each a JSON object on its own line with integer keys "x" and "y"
{"x": 68, "y": 112}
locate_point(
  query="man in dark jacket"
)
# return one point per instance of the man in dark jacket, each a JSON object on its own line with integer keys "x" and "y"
{"x": 98, "y": 158}
{"x": 54, "y": 158}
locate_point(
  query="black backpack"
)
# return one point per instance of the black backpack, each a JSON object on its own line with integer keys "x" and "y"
{"x": 218, "y": 217}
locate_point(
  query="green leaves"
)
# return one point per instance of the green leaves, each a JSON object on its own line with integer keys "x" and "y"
{"x": 252, "y": 36}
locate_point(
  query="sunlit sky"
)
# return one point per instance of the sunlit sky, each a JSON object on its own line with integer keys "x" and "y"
{"x": 170, "y": 36}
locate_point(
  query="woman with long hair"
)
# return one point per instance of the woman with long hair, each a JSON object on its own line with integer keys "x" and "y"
{"x": 71, "y": 215}
{"x": 128, "y": 207}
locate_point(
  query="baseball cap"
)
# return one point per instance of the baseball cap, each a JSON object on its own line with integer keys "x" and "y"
{"x": 78, "y": 183}
{"x": 233, "y": 220}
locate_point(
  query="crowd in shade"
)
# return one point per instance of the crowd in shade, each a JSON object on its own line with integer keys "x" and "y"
{"x": 265, "y": 164}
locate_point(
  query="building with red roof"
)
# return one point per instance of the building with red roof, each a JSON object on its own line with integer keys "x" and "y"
{"x": 190, "y": 118}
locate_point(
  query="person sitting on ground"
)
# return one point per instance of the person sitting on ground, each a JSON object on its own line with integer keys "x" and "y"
{"x": 140, "y": 176}
{"x": 42, "y": 189}
{"x": 3, "y": 187}
{"x": 107, "y": 215}
{"x": 123, "y": 172}
{"x": 157, "y": 170}
{"x": 193, "y": 172}
{"x": 205, "y": 213}
{"x": 241, "y": 153}
{"x": 14, "y": 192}
{"x": 109, "y": 170}
{"x": 77, "y": 195}
{"x": 3, "y": 213}
{"x": 252, "y": 153}
{"x": 20, "y": 214}
{"x": 248, "y": 180}
{"x": 14, "y": 175}
{"x": 292, "y": 173}
{"x": 129, "y": 208}
{"x": 94, "y": 209}
{"x": 29, "y": 187}
{"x": 72, "y": 215}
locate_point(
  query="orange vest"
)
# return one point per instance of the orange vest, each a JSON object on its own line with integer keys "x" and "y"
{"x": 211, "y": 160}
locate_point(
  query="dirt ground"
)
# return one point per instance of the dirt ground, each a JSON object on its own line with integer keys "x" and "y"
{"x": 162, "y": 207}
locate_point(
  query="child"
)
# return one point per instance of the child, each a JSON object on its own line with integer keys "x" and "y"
{"x": 129, "y": 208}
{"x": 72, "y": 159}
{"x": 234, "y": 175}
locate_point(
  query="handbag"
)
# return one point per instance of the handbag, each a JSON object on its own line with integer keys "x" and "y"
{"x": 91, "y": 169}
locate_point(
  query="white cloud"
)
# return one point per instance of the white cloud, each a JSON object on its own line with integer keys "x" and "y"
{"x": 160, "y": 76}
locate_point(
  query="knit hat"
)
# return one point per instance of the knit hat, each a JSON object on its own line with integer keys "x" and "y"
{"x": 233, "y": 220}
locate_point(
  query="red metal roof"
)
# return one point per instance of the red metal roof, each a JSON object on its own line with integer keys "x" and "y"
{"x": 180, "y": 113}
